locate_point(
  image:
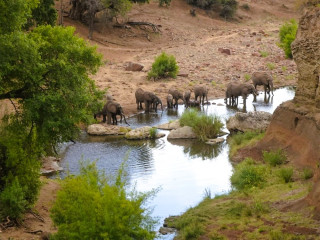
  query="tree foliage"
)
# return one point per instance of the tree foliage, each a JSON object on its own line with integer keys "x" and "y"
{"x": 45, "y": 73}
{"x": 43, "y": 14}
{"x": 287, "y": 35}
{"x": 164, "y": 66}
{"x": 90, "y": 207}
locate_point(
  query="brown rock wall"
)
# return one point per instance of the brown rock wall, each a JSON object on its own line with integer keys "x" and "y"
{"x": 306, "y": 53}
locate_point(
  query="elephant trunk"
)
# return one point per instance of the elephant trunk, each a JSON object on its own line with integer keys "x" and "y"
{"x": 124, "y": 117}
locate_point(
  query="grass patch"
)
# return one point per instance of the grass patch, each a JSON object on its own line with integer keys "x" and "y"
{"x": 286, "y": 174}
{"x": 204, "y": 126}
{"x": 247, "y": 77}
{"x": 247, "y": 175}
{"x": 240, "y": 140}
{"x": 271, "y": 66}
{"x": 274, "y": 158}
{"x": 264, "y": 54}
{"x": 307, "y": 173}
{"x": 153, "y": 133}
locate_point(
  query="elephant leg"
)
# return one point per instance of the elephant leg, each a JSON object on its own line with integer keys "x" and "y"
{"x": 146, "y": 106}
{"x": 109, "y": 118}
{"x": 104, "y": 118}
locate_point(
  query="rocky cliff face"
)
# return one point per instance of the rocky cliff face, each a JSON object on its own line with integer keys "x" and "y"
{"x": 295, "y": 125}
{"x": 306, "y": 53}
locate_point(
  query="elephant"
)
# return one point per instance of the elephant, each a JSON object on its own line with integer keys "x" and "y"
{"x": 170, "y": 101}
{"x": 110, "y": 111}
{"x": 139, "y": 98}
{"x": 234, "y": 90}
{"x": 149, "y": 99}
{"x": 202, "y": 92}
{"x": 186, "y": 98}
{"x": 176, "y": 94}
{"x": 156, "y": 102}
{"x": 262, "y": 78}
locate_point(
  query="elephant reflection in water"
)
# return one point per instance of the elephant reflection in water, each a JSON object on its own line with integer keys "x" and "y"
{"x": 199, "y": 149}
{"x": 266, "y": 99}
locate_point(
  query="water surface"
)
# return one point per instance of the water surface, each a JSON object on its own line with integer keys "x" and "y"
{"x": 183, "y": 169}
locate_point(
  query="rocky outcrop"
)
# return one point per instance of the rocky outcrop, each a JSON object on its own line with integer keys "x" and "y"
{"x": 142, "y": 133}
{"x": 50, "y": 165}
{"x": 306, "y": 54}
{"x": 105, "y": 129}
{"x": 182, "y": 132}
{"x": 135, "y": 67}
{"x": 251, "y": 121}
{"x": 170, "y": 125}
{"x": 295, "y": 125}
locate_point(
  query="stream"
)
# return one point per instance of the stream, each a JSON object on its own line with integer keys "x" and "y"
{"x": 183, "y": 170}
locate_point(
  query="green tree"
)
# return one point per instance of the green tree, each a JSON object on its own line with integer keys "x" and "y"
{"x": 90, "y": 207}
{"x": 43, "y": 14}
{"x": 164, "y": 66}
{"x": 45, "y": 73}
{"x": 14, "y": 14}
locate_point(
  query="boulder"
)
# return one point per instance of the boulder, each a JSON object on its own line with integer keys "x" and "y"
{"x": 183, "y": 74}
{"x": 105, "y": 129}
{"x": 142, "y": 133}
{"x": 170, "y": 125}
{"x": 183, "y": 132}
{"x": 50, "y": 165}
{"x": 251, "y": 121}
{"x": 225, "y": 51}
{"x": 135, "y": 67}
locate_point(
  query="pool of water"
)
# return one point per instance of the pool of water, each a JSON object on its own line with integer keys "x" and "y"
{"x": 183, "y": 170}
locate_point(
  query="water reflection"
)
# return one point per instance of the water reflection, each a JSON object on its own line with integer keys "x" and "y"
{"x": 197, "y": 149}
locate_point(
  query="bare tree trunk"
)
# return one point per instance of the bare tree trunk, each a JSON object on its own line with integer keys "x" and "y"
{"x": 61, "y": 14}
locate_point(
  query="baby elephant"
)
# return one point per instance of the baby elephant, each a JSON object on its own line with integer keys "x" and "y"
{"x": 262, "y": 78}
{"x": 176, "y": 94}
{"x": 170, "y": 101}
{"x": 139, "y": 98}
{"x": 186, "y": 98}
{"x": 110, "y": 111}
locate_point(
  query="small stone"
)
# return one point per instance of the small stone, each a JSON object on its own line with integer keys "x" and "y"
{"x": 215, "y": 141}
{"x": 135, "y": 67}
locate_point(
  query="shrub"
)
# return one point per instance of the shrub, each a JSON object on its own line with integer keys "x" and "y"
{"x": 307, "y": 173}
{"x": 153, "y": 133}
{"x": 264, "y": 54}
{"x": 287, "y": 35}
{"x": 271, "y": 66}
{"x": 89, "y": 207}
{"x": 286, "y": 174}
{"x": 204, "y": 4}
{"x": 12, "y": 201}
{"x": 229, "y": 7}
{"x": 204, "y": 126}
{"x": 164, "y": 66}
{"x": 274, "y": 158}
{"x": 247, "y": 175}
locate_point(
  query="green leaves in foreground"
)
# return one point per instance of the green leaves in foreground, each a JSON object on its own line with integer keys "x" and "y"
{"x": 88, "y": 206}
{"x": 204, "y": 126}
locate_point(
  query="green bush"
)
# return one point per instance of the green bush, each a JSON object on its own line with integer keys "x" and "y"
{"x": 12, "y": 201}
{"x": 247, "y": 175}
{"x": 245, "y": 6}
{"x": 204, "y": 126}
{"x": 204, "y": 4}
{"x": 241, "y": 140}
{"x": 229, "y": 7}
{"x": 164, "y": 66}
{"x": 274, "y": 158}
{"x": 287, "y": 35}
{"x": 307, "y": 173}
{"x": 286, "y": 174}
{"x": 153, "y": 133}
{"x": 89, "y": 207}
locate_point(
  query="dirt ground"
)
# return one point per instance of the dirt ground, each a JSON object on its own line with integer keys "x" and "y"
{"x": 195, "y": 42}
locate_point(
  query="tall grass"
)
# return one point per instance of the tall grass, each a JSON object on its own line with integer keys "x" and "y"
{"x": 247, "y": 175}
{"x": 274, "y": 158}
{"x": 241, "y": 140}
{"x": 204, "y": 126}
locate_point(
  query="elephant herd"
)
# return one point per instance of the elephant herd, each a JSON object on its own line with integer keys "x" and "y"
{"x": 151, "y": 101}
